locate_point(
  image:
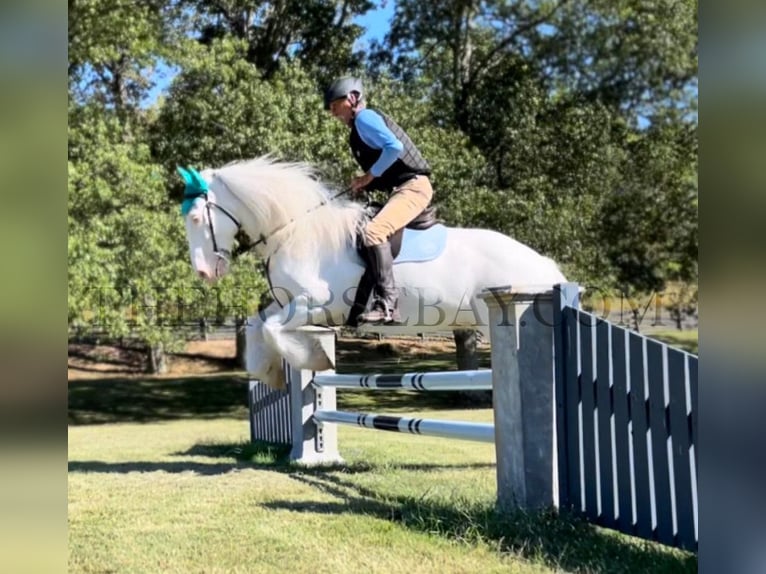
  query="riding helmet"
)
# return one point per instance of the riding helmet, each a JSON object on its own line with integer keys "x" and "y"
{"x": 341, "y": 88}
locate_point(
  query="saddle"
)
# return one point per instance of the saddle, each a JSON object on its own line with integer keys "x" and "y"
{"x": 425, "y": 220}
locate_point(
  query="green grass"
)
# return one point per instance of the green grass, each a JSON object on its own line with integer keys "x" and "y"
{"x": 162, "y": 478}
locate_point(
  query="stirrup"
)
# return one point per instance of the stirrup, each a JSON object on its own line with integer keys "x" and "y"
{"x": 380, "y": 313}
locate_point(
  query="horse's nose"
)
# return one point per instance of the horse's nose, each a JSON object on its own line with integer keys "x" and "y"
{"x": 203, "y": 274}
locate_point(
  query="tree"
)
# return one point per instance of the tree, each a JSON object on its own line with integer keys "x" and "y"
{"x": 115, "y": 47}
{"x": 219, "y": 110}
{"x": 126, "y": 243}
{"x": 320, "y": 34}
{"x": 634, "y": 56}
{"x": 650, "y": 227}
{"x": 637, "y": 57}
{"x": 456, "y": 43}
{"x": 554, "y": 96}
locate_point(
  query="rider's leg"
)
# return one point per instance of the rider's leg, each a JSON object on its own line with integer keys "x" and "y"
{"x": 406, "y": 203}
{"x": 384, "y": 307}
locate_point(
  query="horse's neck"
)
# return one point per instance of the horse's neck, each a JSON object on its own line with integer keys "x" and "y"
{"x": 301, "y": 234}
{"x": 247, "y": 219}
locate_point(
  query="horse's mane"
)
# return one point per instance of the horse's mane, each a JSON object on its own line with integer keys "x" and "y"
{"x": 277, "y": 192}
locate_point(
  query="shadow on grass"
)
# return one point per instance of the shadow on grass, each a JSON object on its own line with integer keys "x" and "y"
{"x": 131, "y": 359}
{"x": 276, "y": 457}
{"x": 559, "y": 540}
{"x": 204, "y": 469}
{"x": 259, "y": 455}
{"x": 238, "y": 455}
{"x": 116, "y": 400}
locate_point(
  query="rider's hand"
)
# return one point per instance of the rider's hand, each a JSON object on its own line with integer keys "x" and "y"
{"x": 359, "y": 183}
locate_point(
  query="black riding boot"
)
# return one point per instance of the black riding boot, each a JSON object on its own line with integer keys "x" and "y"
{"x": 385, "y": 296}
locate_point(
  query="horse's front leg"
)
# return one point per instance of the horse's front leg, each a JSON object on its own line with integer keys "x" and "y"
{"x": 301, "y": 350}
{"x": 262, "y": 360}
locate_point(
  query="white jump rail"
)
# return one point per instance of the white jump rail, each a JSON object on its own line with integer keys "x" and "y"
{"x": 479, "y": 432}
{"x": 477, "y": 380}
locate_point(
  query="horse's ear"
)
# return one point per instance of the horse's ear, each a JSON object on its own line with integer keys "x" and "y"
{"x": 198, "y": 180}
{"x": 184, "y": 174}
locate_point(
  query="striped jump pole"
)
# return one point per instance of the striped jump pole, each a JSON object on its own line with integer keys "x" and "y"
{"x": 526, "y": 404}
{"x": 480, "y": 432}
{"x": 480, "y": 380}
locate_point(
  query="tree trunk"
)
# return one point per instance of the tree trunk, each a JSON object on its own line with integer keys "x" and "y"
{"x": 241, "y": 340}
{"x": 465, "y": 349}
{"x": 157, "y": 363}
{"x": 468, "y": 360}
{"x": 636, "y": 320}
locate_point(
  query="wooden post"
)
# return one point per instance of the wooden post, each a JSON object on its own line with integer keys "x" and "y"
{"x": 521, "y": 331}
{"x": 312, "y": 443}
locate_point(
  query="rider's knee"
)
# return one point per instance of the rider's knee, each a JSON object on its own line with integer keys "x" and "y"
{"x": 376, "y": 234}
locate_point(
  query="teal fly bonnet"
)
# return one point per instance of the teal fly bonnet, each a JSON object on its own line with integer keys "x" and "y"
{"x": 196, "y": 187}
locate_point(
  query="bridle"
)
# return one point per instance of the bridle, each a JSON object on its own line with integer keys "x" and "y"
{"x": 226, "y": 255}
{"x": 221, "y": 254}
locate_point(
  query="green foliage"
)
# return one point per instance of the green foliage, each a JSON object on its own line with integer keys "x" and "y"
{"x": 636, "y": 56}
{"x": 550, "y": 94}
{"x": 128, "y": 263}
{"x": 220, "y": 110}
{"x": 651, "y": 225}
{"x": 528, "y": 113}
{"x": 319, "y": 34}
{"x": 125, "y": 243}
{"x": 458, "y": 166}
{"x": 115, "y": 47}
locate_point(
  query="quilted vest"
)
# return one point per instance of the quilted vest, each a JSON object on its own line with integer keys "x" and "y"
{"x": 409, "y": 163}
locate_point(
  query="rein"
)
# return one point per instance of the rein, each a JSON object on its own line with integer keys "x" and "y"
{"x": 227, "y": 213}
{"x": 265, "y": 237}
{"x": 224, "y": 254}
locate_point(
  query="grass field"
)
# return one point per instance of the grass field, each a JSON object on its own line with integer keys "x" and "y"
{"x": 162, "y": 478}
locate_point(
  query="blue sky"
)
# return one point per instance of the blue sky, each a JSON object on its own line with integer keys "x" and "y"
{"x": 376, "y": 22}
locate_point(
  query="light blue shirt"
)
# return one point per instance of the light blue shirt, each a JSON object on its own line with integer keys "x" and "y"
{"x": 375, "y": 133}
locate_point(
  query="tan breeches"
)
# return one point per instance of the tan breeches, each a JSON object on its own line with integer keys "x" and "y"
{"x": 406, "y": 202}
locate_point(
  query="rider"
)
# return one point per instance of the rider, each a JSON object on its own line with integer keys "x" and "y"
{"x": 391, "y": 163}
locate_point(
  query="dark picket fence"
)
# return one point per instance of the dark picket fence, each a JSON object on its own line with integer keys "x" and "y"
{"x": 627, "y": 420}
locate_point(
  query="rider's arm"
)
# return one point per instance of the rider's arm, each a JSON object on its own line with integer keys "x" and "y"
{"x": 375, "y": 133}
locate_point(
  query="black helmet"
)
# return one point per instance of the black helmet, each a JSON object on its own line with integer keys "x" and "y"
{"x": 341, "y": 88}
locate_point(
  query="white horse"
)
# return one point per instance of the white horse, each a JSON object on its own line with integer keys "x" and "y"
{"x": 307, "y": 236}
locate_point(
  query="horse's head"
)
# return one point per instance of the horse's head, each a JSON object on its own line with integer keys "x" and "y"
{"x": 211, "y": 225}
